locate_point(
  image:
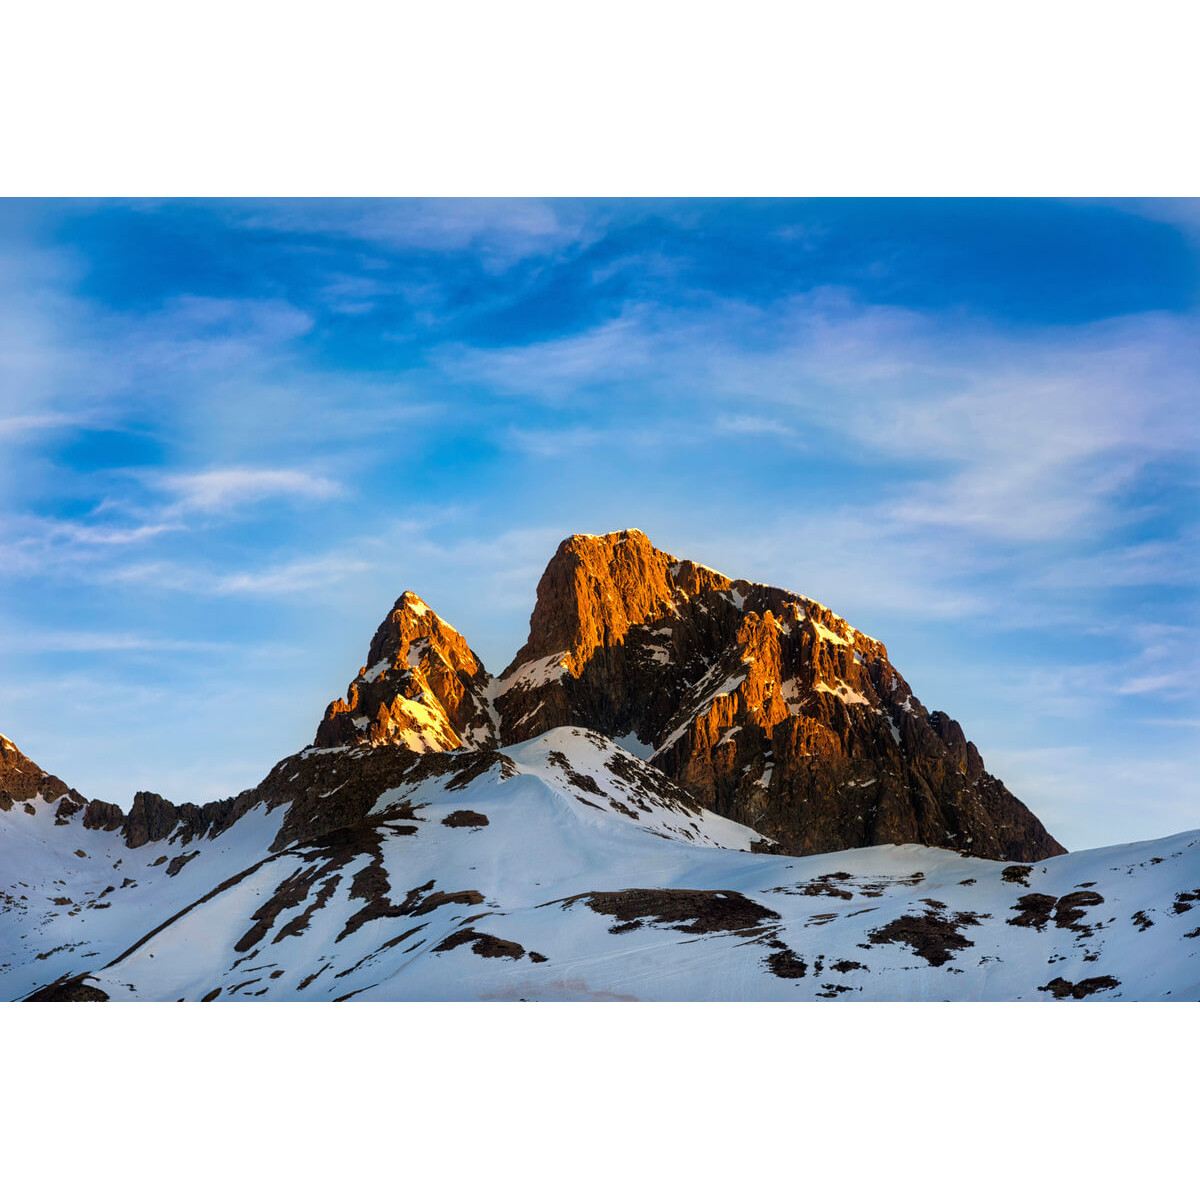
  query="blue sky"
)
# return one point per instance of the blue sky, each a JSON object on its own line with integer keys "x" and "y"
{"x": 231, "y": 433}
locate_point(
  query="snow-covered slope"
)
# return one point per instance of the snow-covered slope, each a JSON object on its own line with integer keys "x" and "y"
{"x": 72, "y": 898}
{"x": 565, "y": 868}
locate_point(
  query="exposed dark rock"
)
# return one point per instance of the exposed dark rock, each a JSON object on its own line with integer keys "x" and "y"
{"x": 390, "y": 944}
{"x": 483, "y": 944}
{"x": 787, "y": 965}
{"x": 767, "y": 707}
{"x": 683, "y": 909}
{"x": 70, "y": 990}
{"x": 1063, "y": 989}
{"x": 68, "y": 807}
{"x": 931, "y": 935}
{"x": 1070, "y": 908}
{"x": 1036, "y": 909}
{"x": 465, "y": 818}
{"x": 153, "y": 819}
{"x": 1033, "y": 910}
{"x": 326, "y": 790}
{"x": 309, "y": 978}
{"x": 21, "y": 780}
{"x": 371, "y": 884}
{"x": 150, "y": 819}
{"x": 179, "y": 862}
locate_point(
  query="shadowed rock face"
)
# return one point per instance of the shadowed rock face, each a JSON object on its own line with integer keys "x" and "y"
{"x": 423, "y": 687}
{"x": 150, "y": 819}
{"x": 766, "y": 706}
{"x": 22, "y": 780}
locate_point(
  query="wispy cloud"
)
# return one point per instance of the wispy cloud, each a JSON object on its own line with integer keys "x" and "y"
{"x": 26, "y": 423}
{"x": 1159, "y": 562}
{"x": 501, "y": 232}
{"x": 754, "y": 426}
{"x": 95, "y": 642}
{"x": 1018, "y": 437}
{"x": 99, "y": 544}
{"x": 226, "y": 488}
{"x": 557, "y": 372}
{"x": 309, "y": 575}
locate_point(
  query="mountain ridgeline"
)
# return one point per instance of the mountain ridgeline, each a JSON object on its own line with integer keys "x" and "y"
{"x": 619, "y": 815}
{"x": 761, "y": 704}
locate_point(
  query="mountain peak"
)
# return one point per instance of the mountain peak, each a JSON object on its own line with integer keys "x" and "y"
{"x": 596, "y": 588}
{"x": 422, "y": 686}
{"x": 767, "y": 706}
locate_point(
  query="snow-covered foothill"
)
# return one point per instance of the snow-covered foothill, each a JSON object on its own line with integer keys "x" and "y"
{"x": 566, "y": 868}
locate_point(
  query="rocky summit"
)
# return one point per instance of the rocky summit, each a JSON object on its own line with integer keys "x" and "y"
{"x": 764, "y": 705}
{"x": 684, "y": 786}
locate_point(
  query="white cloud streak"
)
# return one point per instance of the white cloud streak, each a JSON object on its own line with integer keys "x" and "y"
{"x": 1014, "y": 437}
{"x": 501, "y": 232}
{"x": 227, "y": 488}
{"x": 308, "y": 576}
{"x": 95, "y": 642}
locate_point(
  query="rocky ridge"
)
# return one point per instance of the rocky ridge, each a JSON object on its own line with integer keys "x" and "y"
{"x": 151, "y": 818}
{"x": 768, "y": 708}
{"x": 764, "y": 706}
{"x": 22, "y": 781}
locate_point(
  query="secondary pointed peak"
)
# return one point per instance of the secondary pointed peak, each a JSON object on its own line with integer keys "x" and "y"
{"x": 411, "y": 600}
{"x": 422, "y": 686}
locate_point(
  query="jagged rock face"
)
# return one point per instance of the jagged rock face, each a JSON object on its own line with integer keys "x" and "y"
{"x": 766, "y": 706}
{"x": 598, "y": 652}
{"x": 22, "y": 780}
{"x": 150, "y": 819}
{"x": 423, "y": 687}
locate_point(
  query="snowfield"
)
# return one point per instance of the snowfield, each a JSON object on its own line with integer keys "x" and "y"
{"x": 569, "y": 869}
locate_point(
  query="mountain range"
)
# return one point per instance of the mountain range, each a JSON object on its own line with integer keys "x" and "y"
{"x": 684, "y": 786}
